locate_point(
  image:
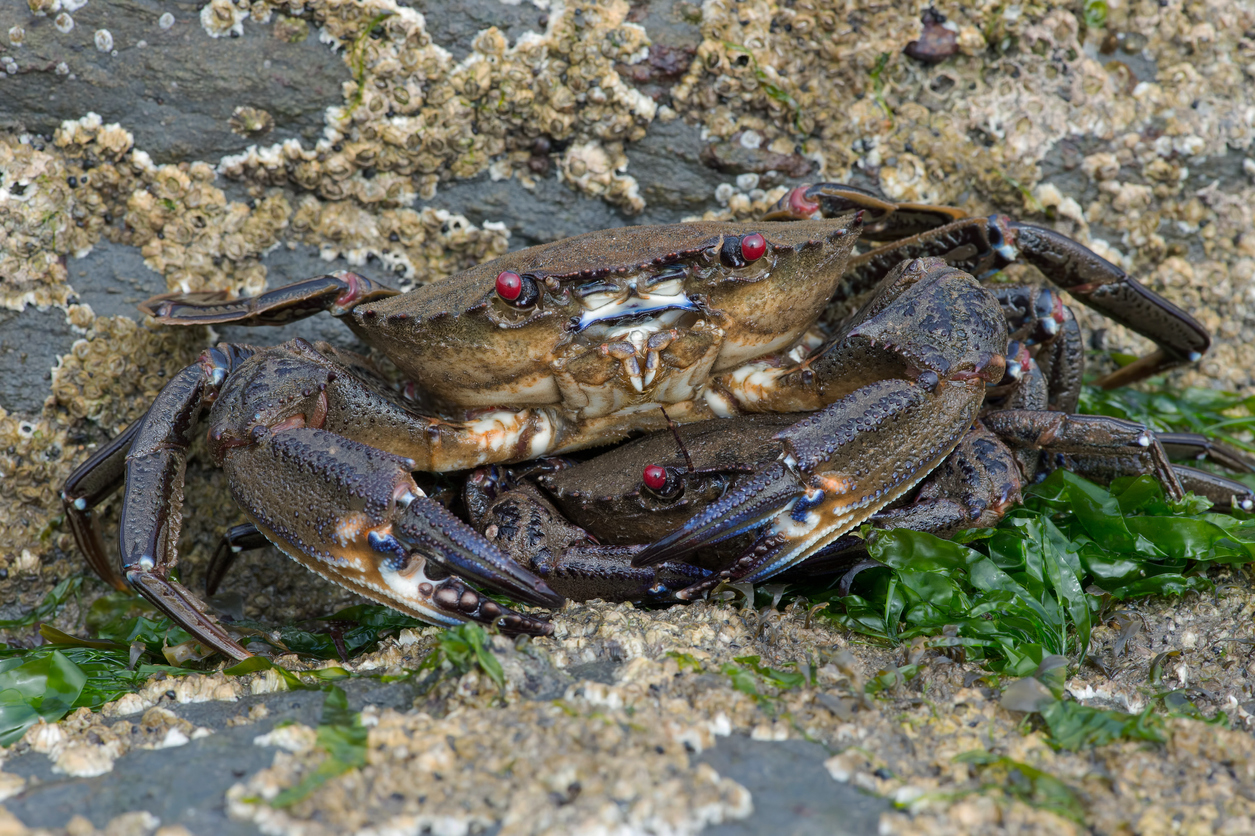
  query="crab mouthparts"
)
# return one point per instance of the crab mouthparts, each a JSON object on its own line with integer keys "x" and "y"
{"x": 636, "y": 305}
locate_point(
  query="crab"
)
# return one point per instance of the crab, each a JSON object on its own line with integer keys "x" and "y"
{"x": 578, "y": 343}
{"x": 583, "y": 525}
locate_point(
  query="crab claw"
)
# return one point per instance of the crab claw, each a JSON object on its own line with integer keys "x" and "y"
{"x": 936, "y": 340}
{"x": 353, "y": 514}
{"x": 751, "y": 505}
{"x": 428, "y": 528}
{"x": 838, "y": 467}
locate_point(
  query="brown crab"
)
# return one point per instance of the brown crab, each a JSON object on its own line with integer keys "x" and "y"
{"x": 578, "y": 343}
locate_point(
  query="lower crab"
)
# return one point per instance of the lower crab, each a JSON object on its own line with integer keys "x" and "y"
{"x": 579, "y": 343}
{"x": 584, "y": 526}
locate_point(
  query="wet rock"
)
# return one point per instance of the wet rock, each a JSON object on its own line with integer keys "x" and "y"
{"x": 454, "y": 26}
{"x": 30, "y": 342}
{"x": 793, "y": 793}
{"x": 743, "y": 153}
{"x": 173, "y": 87}
{"x": 113, "y": 279}
{"x": 936, "y": 42}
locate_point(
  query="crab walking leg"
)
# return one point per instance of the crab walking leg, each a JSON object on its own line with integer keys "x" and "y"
{"x": 148, "y": 530}
{"x": 353, "y": 514}
{"x": 337, "y": 293}
{"x": 1086, "y": 435}
{"x": 90, "y": 484}
{"x": 1225, "y": 494}
{"x": 237, "y": 540}
{"x": 982, "y": 246}
{"x": 1200, "y": 447}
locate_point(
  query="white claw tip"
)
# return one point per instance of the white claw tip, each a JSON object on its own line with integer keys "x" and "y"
{"x": 80, "y": 504}
{"x": 146, "y": 563}
{"x": 407, "y": 496}
{"x": 1195, "y": 356}
{"x": 1143, "y": 440}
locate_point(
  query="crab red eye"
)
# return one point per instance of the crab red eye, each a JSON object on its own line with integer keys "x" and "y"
{"x": 655, "y": 477}
{"x": 753, "y": 247}
{"x": 509, "y": 285}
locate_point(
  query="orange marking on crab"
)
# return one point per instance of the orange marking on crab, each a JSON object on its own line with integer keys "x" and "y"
{"x": 354, "y": 526}
{"x": 834, "y": 483}
{"x": 290, "y": 423}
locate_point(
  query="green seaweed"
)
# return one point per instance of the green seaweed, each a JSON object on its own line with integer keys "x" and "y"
{"x": 342, "y": 737}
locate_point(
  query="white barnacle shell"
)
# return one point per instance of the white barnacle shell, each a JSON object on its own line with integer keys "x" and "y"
{"x": 222, "y": 17}
{"x": 104, "y": 40}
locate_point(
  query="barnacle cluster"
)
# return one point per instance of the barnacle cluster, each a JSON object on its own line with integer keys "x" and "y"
{"x": 416, "y": 246}
{"x": 412, "y": 115}
{"x": 54, "y": 205}
{"x": 1156, "y": 92}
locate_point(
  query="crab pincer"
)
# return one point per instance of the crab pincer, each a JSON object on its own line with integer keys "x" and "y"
{"x": 341, "y": 507}
{"x": 904, "y": 383}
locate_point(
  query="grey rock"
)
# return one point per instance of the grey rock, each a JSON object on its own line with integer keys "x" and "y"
{"x": 673, "y": 180}
{"x": 113, "y": 279}
{"x": 455, "y": 25}
{"x": 175, "y": 93}
{"x": 793, "y": 793}
{"x": 30, "y": 343}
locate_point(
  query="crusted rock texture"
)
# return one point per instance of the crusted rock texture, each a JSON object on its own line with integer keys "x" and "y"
{"x": 230, "y": 146}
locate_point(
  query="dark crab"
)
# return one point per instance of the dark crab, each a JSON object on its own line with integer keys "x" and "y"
{"x": 582, "y": 526}
{"x": 579, "y": 343}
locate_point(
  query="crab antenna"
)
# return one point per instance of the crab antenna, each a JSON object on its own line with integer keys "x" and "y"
{"x": 675, "y": 431}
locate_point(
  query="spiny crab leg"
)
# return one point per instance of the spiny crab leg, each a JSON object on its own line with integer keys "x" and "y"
{"x": 237, "y": 540}
{"x": 1199, "y": 447}
{"x": 982, "y": 246}
{"x": 335, "y": 292}
{"x": 153, "y": 499}
{"x": 1085, "y": 435}
{"x": 90, "y": 484}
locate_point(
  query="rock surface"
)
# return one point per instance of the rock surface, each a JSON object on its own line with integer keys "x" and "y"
{"x": 240, "y": 145}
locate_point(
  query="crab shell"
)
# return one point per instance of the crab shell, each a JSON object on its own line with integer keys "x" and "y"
{"x": 607, "y": 496}
{"x": 465, "y": 345}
